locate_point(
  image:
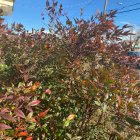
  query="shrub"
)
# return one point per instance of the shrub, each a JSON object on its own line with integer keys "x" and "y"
{"x": 69, "y": 84}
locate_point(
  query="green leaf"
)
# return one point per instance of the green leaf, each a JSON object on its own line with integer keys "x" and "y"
{"x": 66, "y": 123}
{"x": 32, "y": 126}
{"x": 132, "y": 121}
{"x": 77, "y": 138}
{"x": 104, "y": 108}
{"x": 21, "y": 84}
{"x": 97, "y": 103}
{"x": 69, "y": 136}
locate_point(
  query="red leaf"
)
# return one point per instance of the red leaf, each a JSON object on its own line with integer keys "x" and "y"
{"x": 34, "y": 103}
{"x": 92, "y": 25}
{"x": 48, "y": 91}
{"x": 8, "y": 117}
{"x": 19, "y": 113}
{"x": 4, "y": 110}
{"x": 4, "y": 126}
{"x": 42, "y": 114}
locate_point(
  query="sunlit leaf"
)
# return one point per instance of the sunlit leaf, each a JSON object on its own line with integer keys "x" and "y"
{"x": 21, "y": 84}
{"x": 35, "y": 86}
{"x": 30, "y": 115}
{"x": 77, "y": 138}
{"x": 66, "y": 123}
{"x": 97, "y": 103}
{"x": 71, "y": 117}
{"x": 48, "y": 91}
{"x": 104, "y": 108}
{"x": 34, "y": 103}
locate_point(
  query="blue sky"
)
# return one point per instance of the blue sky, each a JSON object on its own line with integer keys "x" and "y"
{"x": 28, "y": 12}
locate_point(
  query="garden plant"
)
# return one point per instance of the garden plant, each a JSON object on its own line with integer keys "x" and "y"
{"x": 69, "y": 84}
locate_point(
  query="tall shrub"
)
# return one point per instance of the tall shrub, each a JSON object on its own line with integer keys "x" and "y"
{"x": 69, "y": 84}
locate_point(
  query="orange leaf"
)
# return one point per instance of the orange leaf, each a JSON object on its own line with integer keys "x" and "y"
{"x": 84, "y": 82}
{"x": 35, "y": 86}
{"x": 23, "y": 134}
{"x": 19, "y": 128}
{"x": 71, "y": 117}
{"x": 46, "y": 46}
{"x": 33, "y": 120}
{"x": 33, "y": 44}
{"x": 29, "y": 138}
{"x": 119, "y": 100}
{"x": 110, "y": 24}
{"x": 77, "y": 62}
{"x": 42, "y": 114}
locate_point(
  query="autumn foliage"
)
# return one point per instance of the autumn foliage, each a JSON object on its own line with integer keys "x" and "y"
{"x": 71, "y": 83}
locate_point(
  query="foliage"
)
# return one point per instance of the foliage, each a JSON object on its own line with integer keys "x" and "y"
{"x": 69, "y": 84}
